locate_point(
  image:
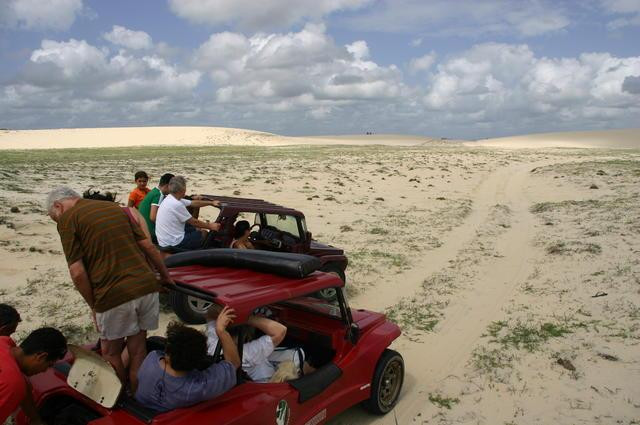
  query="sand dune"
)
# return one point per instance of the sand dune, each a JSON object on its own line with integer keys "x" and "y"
{"x": 134, "y": 136}
{"x": 222, "y": 136}
{"x": 182, "y": 136}
{"x": 606, "y": 139}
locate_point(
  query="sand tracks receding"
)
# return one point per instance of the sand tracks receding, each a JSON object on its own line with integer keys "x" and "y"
{"x": 489, "y": 256}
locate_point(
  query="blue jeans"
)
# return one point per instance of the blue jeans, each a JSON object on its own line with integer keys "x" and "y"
{"x": 193, "y": 238}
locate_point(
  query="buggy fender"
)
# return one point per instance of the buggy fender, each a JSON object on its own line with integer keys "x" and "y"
{"x": 360, "y": 362}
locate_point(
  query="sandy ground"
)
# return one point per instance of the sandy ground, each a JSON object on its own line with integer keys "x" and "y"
{"x": 488, "y": 257}
{"x": 617, "y": 139}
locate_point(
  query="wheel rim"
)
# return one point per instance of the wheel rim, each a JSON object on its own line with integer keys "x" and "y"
{"x": 328, "y": 294}
{"x": 197, "y": 305}
{"x": 390, "y": 383}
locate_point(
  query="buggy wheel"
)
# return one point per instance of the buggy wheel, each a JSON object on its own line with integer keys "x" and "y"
{"x": 387, "y": 383}
{"x": 329, "y": 294}
{"x": 189, "y": 309}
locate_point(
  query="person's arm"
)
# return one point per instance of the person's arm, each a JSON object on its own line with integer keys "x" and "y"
{"x": 81, "y": 281}
{"x": 28, "y": 406}
{"x": 229, "y": 349}
{"x": 131, "y": 203}
{"x": 203, "y": 224}
{"x": 275, "y": 330}
{"x": 196, "y": 203}
{"x": 141, "y": 222}
{"x": 156, "y": 259}
{"x": 153, "y": 212}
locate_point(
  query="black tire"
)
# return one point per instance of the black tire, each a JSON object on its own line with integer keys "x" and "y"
{"x": 189, "y": 309}
{"x": 387, "y": 383}
{"x": 329, "y": 294}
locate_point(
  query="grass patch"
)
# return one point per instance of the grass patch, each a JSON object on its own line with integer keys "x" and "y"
{"x": 78, "y": 334}
{"x": 389, "y": 259}
{"x": 494, "y": 362}
{"x": 525, "y": 335}
{"x": 378, "y": 231}
{"x": 573, "y": 247}
{"x": 442, "y": 401}
{"x": 542, "y": 207}
{"x": 415, "y": 314}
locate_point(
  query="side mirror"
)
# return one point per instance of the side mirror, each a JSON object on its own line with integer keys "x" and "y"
{"x": 309, "y": 236}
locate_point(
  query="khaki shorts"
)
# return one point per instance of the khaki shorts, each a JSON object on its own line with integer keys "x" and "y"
{"x": 130, "y": 318}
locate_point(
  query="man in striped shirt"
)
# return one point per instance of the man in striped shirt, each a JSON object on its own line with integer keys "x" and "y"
{"x": 105, "y": 252}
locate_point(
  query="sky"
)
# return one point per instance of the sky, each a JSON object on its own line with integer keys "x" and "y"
{"x": 442, "y": 68}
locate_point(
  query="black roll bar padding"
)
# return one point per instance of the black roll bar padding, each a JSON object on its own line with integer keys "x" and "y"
{"x": 279, "y": 263}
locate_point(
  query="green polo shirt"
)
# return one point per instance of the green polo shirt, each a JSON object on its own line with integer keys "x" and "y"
{"x": 152, "y": 198}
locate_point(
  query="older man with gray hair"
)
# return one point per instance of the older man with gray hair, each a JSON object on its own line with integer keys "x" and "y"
{"x": 105, "y": 251}
{"x": 175, "y": 226}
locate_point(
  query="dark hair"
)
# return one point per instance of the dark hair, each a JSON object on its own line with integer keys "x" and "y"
{"x": 141, "y": 175}
{"x": 186, "y": 347}
{"x": 97, "y": 196}
{"x": 241, "y": 227}
{"x": 8, "y": 315}
{"x": 249, "y": 333}
{"x": 165, "y": 179}
{"x": 45, "y": 340}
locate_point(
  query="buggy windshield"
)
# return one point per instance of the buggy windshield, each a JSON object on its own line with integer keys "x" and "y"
{"x": 285, "y": 223}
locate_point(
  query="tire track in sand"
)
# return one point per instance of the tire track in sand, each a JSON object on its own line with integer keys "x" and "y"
{"x": 446, "y": 351}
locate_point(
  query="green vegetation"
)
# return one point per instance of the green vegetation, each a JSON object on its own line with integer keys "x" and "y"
{"x": 492, "y": 361}
{"x": 442, "y": 401}
{"x": 525, "y": 335}
{"x": 378, "y": 231}
{"x": 565, "y": 248}
{"x": 554, "y": 206}
{"x": 388, "y": 259}
{"x": 415, "y": 314}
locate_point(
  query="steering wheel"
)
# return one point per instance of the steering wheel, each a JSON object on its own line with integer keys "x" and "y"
{"x": 270, "y": 240}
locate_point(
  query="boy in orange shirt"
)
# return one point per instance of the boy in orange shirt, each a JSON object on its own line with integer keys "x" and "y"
{"x": 137, "y": 195}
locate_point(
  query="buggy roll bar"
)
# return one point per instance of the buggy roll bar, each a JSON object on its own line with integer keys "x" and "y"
{"x": 179, "y": 287}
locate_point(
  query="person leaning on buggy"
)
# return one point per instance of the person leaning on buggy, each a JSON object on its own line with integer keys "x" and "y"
{"x": 176, "y": 228}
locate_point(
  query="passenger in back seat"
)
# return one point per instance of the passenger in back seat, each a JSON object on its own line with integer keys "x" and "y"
{"x": 241, "y": 235}
{"x": 171, "y": 379}
{"x": 261, "y": 357}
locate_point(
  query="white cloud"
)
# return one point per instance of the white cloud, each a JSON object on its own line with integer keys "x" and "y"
{"x": 304, "y": 82}
{"x": 359, "y": 49}
{"x": 304, "y": 69}
{"x": 500, "y": 83}
{"x": 629, "y": 9}
{"x": 79, "y": 72}
{"x": 254, "y": 15}
{"x": 422, "y": 63}
{"x": 39, "y": 15}
{"x": 463, "y": 17}
{"x": 130, "y": 39}
{"x": 621, "y": 6}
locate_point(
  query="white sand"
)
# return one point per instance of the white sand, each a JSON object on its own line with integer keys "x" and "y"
{"x": 436, "y": 228}
{"x": 181, "y": 136}
{"x": 606, "y": 139}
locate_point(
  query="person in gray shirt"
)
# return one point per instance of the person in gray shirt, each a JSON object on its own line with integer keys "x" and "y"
{"x": 170, "y": 379}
